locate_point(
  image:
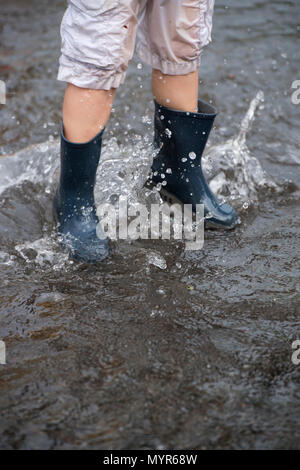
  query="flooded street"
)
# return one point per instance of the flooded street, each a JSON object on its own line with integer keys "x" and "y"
{"x": 157, "y": 347}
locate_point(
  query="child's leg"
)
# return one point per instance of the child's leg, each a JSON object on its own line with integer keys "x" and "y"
{"x": 98, "y": 41}
{"x": 85, "y": 112}
{"x": 176, "y": 91}
{"x": 172, "y": 35}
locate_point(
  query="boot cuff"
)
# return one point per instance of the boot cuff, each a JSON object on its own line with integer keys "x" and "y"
{"x": 205, "y": 111}
{"x": 95, "y": 139}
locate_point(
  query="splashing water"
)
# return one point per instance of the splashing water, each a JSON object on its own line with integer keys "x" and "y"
{"x": 37, "y": 163}
{"x": 123, "y": 170}
{"x": 42, "y": 252}
{"x": 155, "y": 259}
{"x": 233, "y": 172}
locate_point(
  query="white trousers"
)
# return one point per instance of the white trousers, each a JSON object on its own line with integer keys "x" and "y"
{"x": 99, "y": 36}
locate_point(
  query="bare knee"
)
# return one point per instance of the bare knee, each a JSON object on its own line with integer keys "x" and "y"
{"x": 85, "y": 112}
{"x": 89, "y": 99}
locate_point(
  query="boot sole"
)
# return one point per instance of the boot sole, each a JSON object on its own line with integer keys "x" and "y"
{"x": 170, "y": 199}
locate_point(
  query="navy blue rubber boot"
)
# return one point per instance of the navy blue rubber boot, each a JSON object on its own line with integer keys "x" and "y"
{"x": 177, "y": 170}
{"x": 74, "y": 204}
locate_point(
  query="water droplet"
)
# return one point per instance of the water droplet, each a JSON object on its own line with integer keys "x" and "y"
{"x": 192, "y": 155}
{"x": 184, "y": 159}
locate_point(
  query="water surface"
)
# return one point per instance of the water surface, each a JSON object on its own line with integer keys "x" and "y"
{"x": 158, "y": 347}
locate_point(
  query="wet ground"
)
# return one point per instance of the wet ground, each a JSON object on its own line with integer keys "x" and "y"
{"x": 159, "y": 347}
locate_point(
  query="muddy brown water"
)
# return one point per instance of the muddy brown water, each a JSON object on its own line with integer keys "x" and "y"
{"x": 158, "y": 347}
